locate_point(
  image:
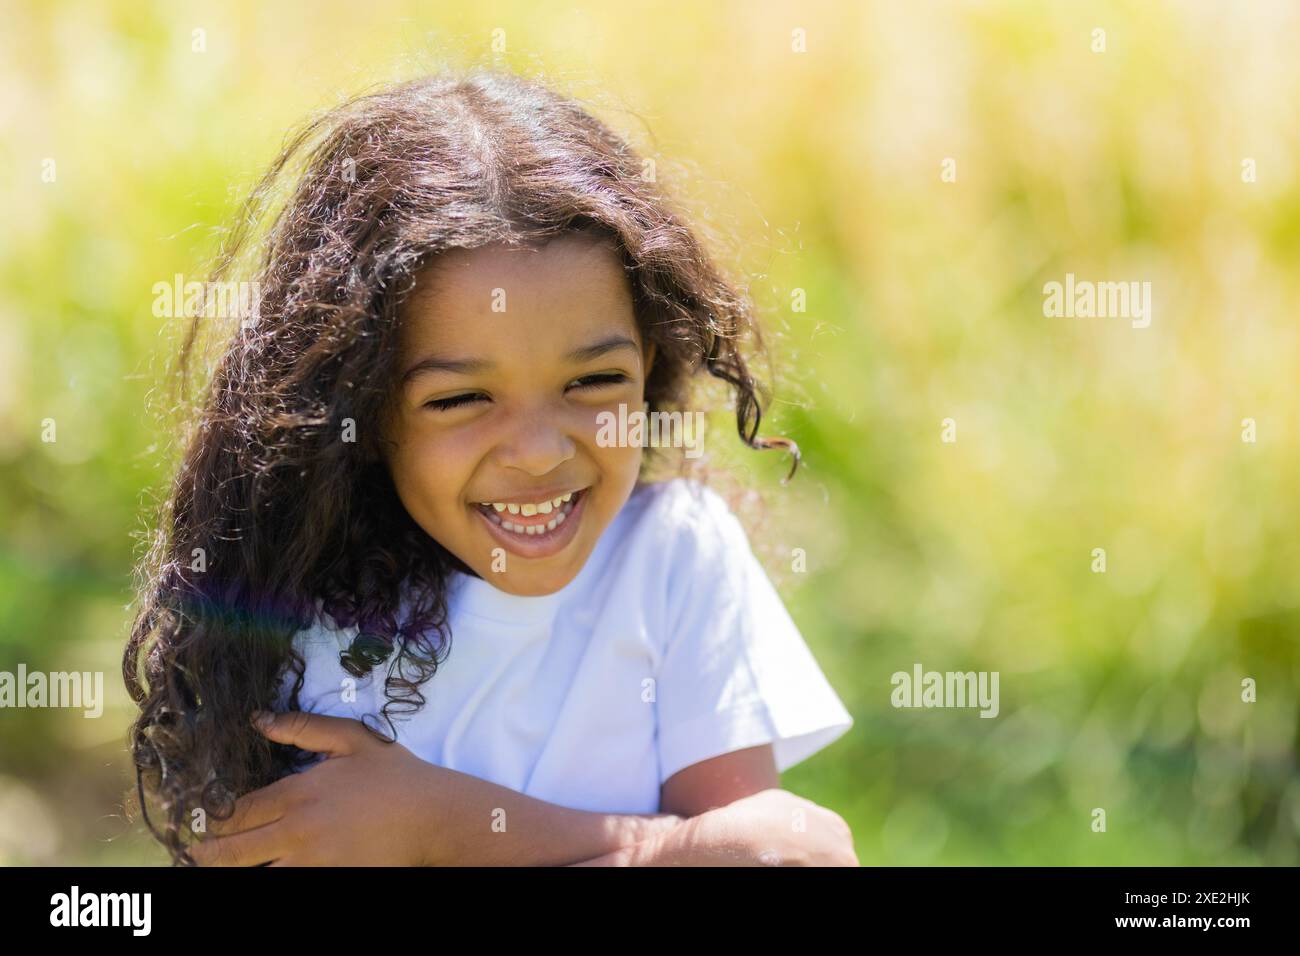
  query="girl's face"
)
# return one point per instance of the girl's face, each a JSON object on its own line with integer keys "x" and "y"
{"x": 507, "y": 357}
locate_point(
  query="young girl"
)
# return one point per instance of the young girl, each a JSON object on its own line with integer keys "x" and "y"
{"x": 401, "y": 525}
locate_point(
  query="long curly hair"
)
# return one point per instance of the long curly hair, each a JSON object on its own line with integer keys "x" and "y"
{"x": 273, "y": 518}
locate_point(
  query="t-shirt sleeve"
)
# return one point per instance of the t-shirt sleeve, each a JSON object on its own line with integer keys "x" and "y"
{"x": 735, "y": 672}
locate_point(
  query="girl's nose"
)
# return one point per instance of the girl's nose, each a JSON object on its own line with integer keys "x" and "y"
{"x": 536, "y": 444}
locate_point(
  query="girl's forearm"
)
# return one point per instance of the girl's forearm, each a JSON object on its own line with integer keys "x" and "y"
{"x": 770, "y": 828}
{"x": 492, "y": 825}
{"x": 709, "y": 839}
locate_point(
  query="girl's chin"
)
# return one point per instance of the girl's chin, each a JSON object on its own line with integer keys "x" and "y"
{"x": 520, "y": 584}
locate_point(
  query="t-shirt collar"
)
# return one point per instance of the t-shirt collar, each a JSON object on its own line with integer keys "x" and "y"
{"x": 479, "y": 597}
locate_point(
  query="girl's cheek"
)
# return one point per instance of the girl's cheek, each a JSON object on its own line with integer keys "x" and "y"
{"x": 424, "y": 460}
{"x": 433, "y": 435}
{"x": 622, "y": 459}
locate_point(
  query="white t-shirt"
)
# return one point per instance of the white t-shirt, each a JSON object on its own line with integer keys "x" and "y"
{"x": 670, "y": 646}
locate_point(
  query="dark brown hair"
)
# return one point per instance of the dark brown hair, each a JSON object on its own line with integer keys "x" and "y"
{"x": 272, "y": 517}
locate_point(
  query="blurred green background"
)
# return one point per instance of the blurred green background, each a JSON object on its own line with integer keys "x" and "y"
{"x": 817, "y": 171}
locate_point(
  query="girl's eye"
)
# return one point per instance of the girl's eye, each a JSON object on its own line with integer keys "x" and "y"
{"x": 443, "y": 404}
{"x": 597, "y": 381}
{"x": 587, "y": 381}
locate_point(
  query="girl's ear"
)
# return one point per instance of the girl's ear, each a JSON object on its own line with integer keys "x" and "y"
{"x": 649, "y": 357}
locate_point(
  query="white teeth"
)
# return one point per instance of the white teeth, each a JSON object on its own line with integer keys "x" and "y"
{"x": 543, "y": 507}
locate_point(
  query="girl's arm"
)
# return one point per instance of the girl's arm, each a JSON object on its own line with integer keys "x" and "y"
{"x": 725, "y": 811}
{"x": 737, "y": 815}
{"x": 492, "y": 825}
{"x": 754, "y": 831}
{"x": 376, "y": 803}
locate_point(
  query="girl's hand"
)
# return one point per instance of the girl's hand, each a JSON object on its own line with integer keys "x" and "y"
{"x": 771, "y": 828}
{"x": 785, "y": 829}
{"x": 372, "y": 803}
{"x": 369, "y": 803}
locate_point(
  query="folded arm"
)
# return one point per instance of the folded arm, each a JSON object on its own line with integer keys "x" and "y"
{"x": 696, "y": 826}
{"x": 732, "y": 812}
{"x": 376, "y": 803}
{"x": 725, "y": 811}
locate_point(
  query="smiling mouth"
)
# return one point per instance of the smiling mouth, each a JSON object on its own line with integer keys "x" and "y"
{"x": 530, "y": 521}
{"x": 539, "y": 535}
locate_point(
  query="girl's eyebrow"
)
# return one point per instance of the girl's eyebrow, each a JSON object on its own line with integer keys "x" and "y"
{"x": 434, "y": 364}
{"x": 586, "y": 353}
{"x": 603, "y": 347}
